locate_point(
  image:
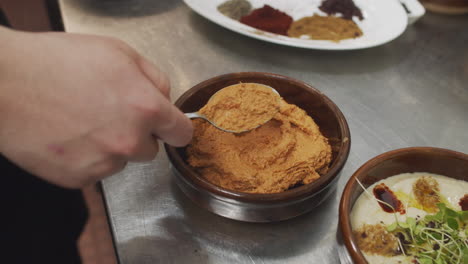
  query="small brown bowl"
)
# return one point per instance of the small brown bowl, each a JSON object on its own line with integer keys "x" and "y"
{"x": 264, "y": 207}
{"x": 415, "y": 159}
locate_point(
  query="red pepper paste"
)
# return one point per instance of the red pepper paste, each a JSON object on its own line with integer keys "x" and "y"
{"x": 464, "y": 203}
{"x": 268, "y": 19}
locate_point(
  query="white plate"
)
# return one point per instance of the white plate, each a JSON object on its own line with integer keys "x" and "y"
{"x": 384, "y": 20}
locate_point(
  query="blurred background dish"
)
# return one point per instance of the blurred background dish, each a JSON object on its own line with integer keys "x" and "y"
{"x": 384, "y": 20}
{"x": 450, "y": 7}
{"x": 254, "y": 207}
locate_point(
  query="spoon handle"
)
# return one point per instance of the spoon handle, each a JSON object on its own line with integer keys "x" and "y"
{"x": 198, "y": 115}
{"x": 194, "y": 115}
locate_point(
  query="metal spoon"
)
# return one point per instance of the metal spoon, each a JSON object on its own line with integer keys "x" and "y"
{"x": 198, "y": 115}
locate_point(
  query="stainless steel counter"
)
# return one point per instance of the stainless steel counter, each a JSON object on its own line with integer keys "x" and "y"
{"x": 410, "y": 92}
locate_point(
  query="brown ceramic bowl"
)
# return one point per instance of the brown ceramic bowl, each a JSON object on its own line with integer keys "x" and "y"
{"x": 264, "y": 207}
{"x": 415, "y": 159}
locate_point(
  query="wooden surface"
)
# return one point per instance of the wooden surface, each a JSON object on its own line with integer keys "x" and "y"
{"x": 28, "y": 15}
{"x": 95, "y": 243}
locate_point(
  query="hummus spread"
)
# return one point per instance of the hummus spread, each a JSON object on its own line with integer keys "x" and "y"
{"x": 415, "y": 191}
{"x": 242, "y": 107}
{"x": 285, "y": 152}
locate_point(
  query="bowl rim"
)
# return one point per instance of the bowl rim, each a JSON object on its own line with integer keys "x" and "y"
{"x": 293, "y": 194}
{"x": 344, "y": 223}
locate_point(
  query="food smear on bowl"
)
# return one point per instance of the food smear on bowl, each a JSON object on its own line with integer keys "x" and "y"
{"x": 346, "y": 8}
{"x": 324, "y": 28}
{"x": 268, "y": 19}
{"x": 235, "y": 9}
{"x": 242, "y": 107}
{"x": 434, "y": 228}
{"x": 287, "y": 151}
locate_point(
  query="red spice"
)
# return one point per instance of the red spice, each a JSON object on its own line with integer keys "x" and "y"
{"x": 383, "y": 193}
{"x": 464, "y": 202}
{"x": 268, "y": 19}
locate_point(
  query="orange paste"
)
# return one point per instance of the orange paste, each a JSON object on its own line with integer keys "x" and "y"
{"x": 287, "y": 151}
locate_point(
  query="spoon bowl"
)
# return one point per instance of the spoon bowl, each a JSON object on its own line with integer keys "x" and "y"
{"x": 197, "y": 114}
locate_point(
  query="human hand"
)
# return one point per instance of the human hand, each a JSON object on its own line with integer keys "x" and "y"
{"x": 76, "y": 108}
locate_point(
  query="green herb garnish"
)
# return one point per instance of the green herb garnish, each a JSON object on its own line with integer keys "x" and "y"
{"x": 441, "y": 238}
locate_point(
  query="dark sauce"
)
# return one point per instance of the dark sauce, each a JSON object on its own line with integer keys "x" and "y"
{"x": 383, "y": 193}
{"x": 346, "y": 8}
{"x": 464, "y": 202}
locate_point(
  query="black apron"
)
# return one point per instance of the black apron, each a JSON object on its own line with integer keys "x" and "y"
{"x": 40, "y": 222}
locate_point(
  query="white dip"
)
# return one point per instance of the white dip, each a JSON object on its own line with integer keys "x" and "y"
{"x": 366, "y": 210}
